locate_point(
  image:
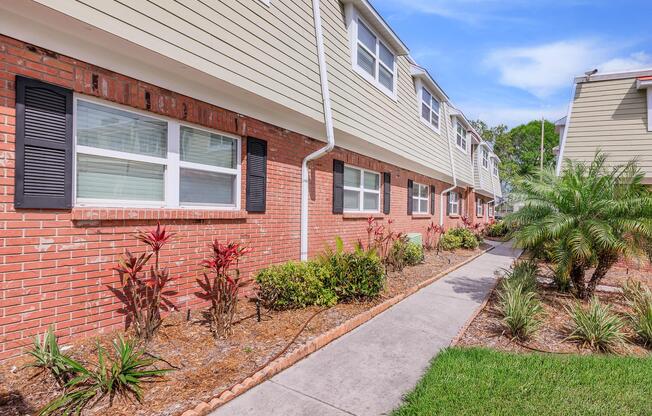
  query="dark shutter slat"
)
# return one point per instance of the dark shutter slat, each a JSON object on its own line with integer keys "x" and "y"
{"x": 387, "y": 192}
{"x": 448, "y": 203}
{"x": 43, "y": 145}
{"x": 256, "y": 193}
{"x": 432, "y": 200}
{"x": 410, "y": 194}
{"x": 338, "y": 186}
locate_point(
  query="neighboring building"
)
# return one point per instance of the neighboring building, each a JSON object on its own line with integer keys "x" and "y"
{"x": 611, "y": 112}
{"x": 199, "y": 114}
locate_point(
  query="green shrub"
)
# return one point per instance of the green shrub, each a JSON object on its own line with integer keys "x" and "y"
{"x": 497, "y": 229}
{"x": 639, "y": 298}
{"x": 295, "y": 285}
{"x": 449, "y": 242}
{"x": 596, "y": 326}
{"x": 519, "y": 308}
{"x": 469, "y": 240}
{"x": 48, "y": 356}
{"x": 523, "y": 272}
{"x": 413, "y": 254}
{"x": 356, "y": 275}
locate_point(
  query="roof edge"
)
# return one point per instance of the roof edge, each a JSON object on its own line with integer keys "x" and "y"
{"x": 370, "y": 13}
{"x": 614, "y": 75}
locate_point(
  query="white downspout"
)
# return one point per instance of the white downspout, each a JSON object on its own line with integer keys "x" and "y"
{"x": 445, "y": 191}
{"x": 330, "y": 135}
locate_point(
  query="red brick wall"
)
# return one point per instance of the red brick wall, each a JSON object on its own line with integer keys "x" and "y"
{"x": 56, "y": 265}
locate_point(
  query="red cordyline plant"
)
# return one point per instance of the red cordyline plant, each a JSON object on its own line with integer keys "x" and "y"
{"x": 382, "y": 239}
{"x": 476, "y": 228}
{"x": 143, "y": 289}
{"x": 222, "y": 284}
{"x": 433, "y": 233}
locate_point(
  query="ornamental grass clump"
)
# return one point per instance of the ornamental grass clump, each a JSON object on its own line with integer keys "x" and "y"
{"x": 221, "y": 285}
{"x": 639, "y": 298}
{"x": 48, "y": 357}
{"x": 596, "y": 326}
{"x": 520, "y": 309}
{"x": 525, "y": 273}
{"x": 144, "y": 289}
{"x": 121, "y": 376}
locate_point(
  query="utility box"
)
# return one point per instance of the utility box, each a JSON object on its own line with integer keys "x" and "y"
{"x": 415, "y": 238}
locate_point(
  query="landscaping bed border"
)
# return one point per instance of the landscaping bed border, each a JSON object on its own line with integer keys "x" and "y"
{"x": 317, "y": 343}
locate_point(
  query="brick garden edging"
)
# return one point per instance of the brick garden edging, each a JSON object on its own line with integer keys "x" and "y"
{"x": 281, "y": 363}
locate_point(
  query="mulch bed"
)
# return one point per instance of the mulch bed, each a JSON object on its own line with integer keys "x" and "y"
{"x": 486, "y": 329}
{"x": 206, "y": 366}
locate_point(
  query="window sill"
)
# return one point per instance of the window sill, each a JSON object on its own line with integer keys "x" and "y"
{"x": 421, "y": 216}
{"x": 363, "y": 215}
{"x": 453, "y": 215}
{"x": 112, "y": 214}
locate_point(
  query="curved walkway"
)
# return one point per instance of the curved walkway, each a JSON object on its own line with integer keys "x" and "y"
{"x": 367, "y": 371}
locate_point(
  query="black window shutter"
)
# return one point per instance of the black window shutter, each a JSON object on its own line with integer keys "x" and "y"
{"x": 410, "y": 194}
{"x": 256, "y": 175}
{"x": 43, "y": 145}
{"x": 338, "y": 186}
{"x": 448, "y": 203}
{"x": 432, "y": 200}
{"x": 387, "y": 179}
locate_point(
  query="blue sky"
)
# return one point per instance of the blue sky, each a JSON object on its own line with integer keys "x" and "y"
{"x": 511, "y": 61}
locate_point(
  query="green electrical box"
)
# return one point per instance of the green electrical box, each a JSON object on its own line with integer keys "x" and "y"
{"x": 415, "y": 238}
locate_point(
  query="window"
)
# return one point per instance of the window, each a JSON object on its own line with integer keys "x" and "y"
{"x": 453, "y": 203}
{"x": 485, "y": 158}
{"x": 490, "y": 209}
{"x": 494, "y": 164}
{"x": 479, "y": 207}
{"x": 420, "y": 198}
{"x": 373, "y": 59}
{"x": 125, "y": 158}
{"x": 460, "y": 136}
{"x": 361, "y": 190}
{"x": 429, "y": 109}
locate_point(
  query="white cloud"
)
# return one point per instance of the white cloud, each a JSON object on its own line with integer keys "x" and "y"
{"x": 544, "y": 69}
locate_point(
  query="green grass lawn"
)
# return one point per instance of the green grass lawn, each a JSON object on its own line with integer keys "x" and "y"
{"x": 481, "y": 382}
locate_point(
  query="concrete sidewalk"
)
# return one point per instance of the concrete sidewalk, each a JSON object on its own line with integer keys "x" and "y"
{"x": 367, "y": 371}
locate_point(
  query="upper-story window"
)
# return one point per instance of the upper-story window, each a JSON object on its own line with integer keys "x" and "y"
{"x": 460, "y": 136}
{"x": 420, "y": 198}
{"x": 373, "y": 59}
{"x": 361, "y": 190}
{"x": 494, "y": 165}
{"x": 485, "y": 158}
{"x": 129, "y": 159}
{"x": 430, "y": 109}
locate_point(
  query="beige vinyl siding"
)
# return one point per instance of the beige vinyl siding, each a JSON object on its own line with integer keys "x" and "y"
{"x": 483, "y": 180}
{"x": 463, "y": 162}
{"x": 612, "y": 116}
{"x": 270, "y": 51}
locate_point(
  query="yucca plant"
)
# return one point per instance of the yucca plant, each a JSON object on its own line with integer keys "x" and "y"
{"x": 520, "y": 309}
{"x": 639, "y": 298}
{"x": 596, "y": 326}
{"x": 589, "y": 216}
{"x": 122, "y": 377}
{"x": 525, "y": 273}
{"x": 48, "y": 357}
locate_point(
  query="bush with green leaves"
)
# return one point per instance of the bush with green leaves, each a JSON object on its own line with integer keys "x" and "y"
{"x": 354, "y": 275}
{"x": 497, "y": 230}
{"x": 122, "y": 376}
{"x": 639, "y": 298}
{"x": 48, "y": 357}
{"x": 450, "y": 242}
{"x": 520, "y": 308}
{"x": 596, "y": 326}
{"x": 295, "y": 285}
{"x": 468, "y": 239}
{"x": 407, "y": 253}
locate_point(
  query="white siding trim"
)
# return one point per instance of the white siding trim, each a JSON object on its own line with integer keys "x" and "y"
{"x": 649, "y": 108}
{"x": 560, "y": 159}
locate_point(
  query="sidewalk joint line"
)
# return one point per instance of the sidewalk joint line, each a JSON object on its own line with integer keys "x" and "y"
{"x": 311, "y": 397}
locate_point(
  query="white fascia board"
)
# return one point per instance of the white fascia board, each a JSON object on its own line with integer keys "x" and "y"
{"x": 643, "y": 83}
{"x": 421, "y": 73}
{"x": 374, "y": 18}
{"x": 607, "y": 76}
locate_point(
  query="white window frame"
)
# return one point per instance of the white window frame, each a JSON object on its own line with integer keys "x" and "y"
{"x": 421, "y": 102}
{"x": 361, "y": 190}
{"x": 172, "y": 163}
{"x": 355, "y": 17}
{"x": 417, "y": 199}
{"x": 490, "y": 209}
{"x": 485, "y": 158}
{"x": 494, "y": 167}
{"x": 455, "y": 203}
{"x": 461, "y": 140}
{"x": 479, "y": 207}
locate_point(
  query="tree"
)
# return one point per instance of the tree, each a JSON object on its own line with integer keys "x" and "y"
{"x": 489, "y": 134}
{"x": 590, "y": 216}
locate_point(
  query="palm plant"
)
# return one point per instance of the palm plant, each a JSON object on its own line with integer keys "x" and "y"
{"x": 589, "y": 216}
